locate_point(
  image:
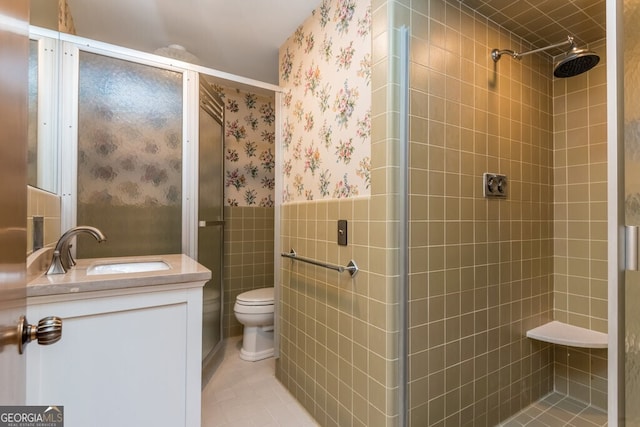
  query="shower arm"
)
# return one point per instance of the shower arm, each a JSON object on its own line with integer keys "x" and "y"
{"x": 496, "y": 54}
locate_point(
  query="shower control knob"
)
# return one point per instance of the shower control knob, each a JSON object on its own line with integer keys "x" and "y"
{"x": 494, "y": 185}
{"x": 502, "y": 185}
{"x": 491, "y": 184}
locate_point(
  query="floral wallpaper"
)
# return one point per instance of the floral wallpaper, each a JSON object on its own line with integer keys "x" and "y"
{"x": 65, "y": 19}
{"x": 325, "y": 69}
{"x": 249, "y": 148}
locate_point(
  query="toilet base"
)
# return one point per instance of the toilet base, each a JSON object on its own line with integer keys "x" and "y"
{"x": 257, "y": 343}
{"x": 255, "y": 356}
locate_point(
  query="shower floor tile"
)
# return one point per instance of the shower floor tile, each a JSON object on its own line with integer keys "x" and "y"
{"x": 245, "y": 394}
{"x": 556, "y": 410}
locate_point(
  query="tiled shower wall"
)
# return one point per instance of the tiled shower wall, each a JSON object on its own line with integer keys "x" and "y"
{"x": 580, "y": 226}
{"x": 481, "y": 270}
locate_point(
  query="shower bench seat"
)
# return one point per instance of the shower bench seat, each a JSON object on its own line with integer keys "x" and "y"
{"x": 557, "y": 332}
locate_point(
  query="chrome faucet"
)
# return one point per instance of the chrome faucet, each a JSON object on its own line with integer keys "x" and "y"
{"x": 62, "y": 259}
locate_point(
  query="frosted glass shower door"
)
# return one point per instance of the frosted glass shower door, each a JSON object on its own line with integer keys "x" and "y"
{"x": 129, "y": 157}
{"x": 211, "y": 214}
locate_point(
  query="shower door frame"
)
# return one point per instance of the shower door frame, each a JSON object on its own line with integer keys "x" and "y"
{"x": 68, "y": 137}
{"x": 615, "y": 213}
{"x": 71, "y": 46}
{"x": 211, "y": 359}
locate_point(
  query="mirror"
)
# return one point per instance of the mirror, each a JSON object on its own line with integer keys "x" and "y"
{"x": 42, "y": 151}
{"x": 32, "y": 146}
{"x": 42, "y": 154}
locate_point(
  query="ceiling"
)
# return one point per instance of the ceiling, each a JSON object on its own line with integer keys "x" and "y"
{"x": 242, "y": 37}
{"x": 546, "y": 22}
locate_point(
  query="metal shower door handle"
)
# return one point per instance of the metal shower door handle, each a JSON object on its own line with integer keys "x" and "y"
{"x": 203, "y": 224}
{"x": 631, "y": 238}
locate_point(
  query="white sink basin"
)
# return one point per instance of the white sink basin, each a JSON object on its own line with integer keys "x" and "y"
{"x": 127, "y": 267}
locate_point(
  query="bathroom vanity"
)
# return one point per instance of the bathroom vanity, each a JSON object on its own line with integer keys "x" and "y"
{"x": 130, "y": 352}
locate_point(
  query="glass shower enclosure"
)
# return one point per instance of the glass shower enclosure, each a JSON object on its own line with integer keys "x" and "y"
{"x": 134, "y": 169}
{"x": 211, "y": 218}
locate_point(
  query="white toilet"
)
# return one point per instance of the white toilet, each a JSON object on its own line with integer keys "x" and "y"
{"x": 254, "y": 309}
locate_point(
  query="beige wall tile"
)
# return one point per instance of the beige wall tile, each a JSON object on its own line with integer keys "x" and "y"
{"x": 586, "y": 210}
{"x": 46, "y": 205}
{"x": 248, "y": 257}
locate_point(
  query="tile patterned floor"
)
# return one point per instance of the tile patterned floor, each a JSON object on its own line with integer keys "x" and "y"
{"x": 247, "y": 394}
{"x": 556, "y": 410}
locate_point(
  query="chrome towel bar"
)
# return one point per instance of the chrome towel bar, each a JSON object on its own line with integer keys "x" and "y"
{"x": 352, "y": 268}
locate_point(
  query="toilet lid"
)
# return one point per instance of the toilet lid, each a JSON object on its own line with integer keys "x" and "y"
{"x": 263, "y": 296}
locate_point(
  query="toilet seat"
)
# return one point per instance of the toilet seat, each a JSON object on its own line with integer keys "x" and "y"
{"x": 256, "y": 297}
{"x": 253, "y": 309}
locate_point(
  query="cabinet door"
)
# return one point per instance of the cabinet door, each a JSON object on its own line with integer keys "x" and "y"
{"x": 123, "y": 363}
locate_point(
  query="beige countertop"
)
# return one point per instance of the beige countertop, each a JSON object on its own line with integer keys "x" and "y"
{"x": 183, "y": 270}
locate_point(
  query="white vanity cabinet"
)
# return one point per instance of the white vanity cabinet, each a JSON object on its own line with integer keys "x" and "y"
{"x": 129, "y": 356}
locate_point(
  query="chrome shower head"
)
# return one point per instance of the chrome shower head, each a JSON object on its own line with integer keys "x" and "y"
{"x": 577, "y": 61}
